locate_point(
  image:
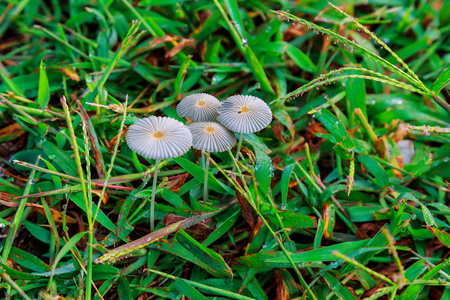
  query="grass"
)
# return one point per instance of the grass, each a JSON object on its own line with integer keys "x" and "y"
{"x": 326, "y": 203}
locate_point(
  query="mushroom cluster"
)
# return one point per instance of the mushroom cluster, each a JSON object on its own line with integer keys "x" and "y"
{"x": 240, "y": 114}
{"x": 212, "y": 130}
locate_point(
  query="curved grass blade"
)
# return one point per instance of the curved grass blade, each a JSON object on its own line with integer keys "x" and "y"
{"x": 383, "y": 44}
{"x": 345, "y": 41}
{"x": 208, "y": 256}
{"x": 441, "y": 82}
{"x": 333, "y": 76}
{"x": 248, "y": 53}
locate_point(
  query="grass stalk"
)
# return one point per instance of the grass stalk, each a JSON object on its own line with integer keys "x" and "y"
{"x": 241, "y": 137}
{"x": 85, "y": 197}
{"x": 252, "y": 202}
{"x": 113, "y": 157}
{"x": 14, "y": 285}
{"x": 372, "y": 135}
{"x": 45, "y": 113}
{"x": 205, "y": 185}
{"x": 228, "y": 294}
{"x": 152, "y": 201}
{"x": 18, "y": 216}
{"x": 289, "y": 258}
{"x": 394, "y": 253}
{"x": 362, "y": 267}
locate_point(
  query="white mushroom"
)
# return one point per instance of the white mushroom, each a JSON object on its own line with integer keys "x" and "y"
{"x": 199, "y": 107}
{"x": 244, "y": 114}
{"x": 211, "y": 137}
{"x": 158, "y": 138}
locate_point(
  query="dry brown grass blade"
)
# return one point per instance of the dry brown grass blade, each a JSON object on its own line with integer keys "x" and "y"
{"x": 95, "y": 151}
{"x": 56, "y": 214}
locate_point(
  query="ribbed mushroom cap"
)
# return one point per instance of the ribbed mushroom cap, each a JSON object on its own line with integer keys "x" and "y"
{"x": 159, "y": 138}
{"x": 244, "y": 114}
{"x": 199, "y": 107}
{"x": 212, "y": 137}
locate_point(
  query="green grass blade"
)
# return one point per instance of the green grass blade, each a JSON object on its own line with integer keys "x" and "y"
{"x": 441, "y": 82}
{"x": 44, "y": 89}
{"x": 248, "y": 53}
{"x": 208, "y": 256}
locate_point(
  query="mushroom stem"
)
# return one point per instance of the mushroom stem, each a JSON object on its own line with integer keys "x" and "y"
{"x": 237, "y": 152}
{"x": 205, "y": 186}
{"x": 203, "y": 159}
{"x": 152, "y": 202}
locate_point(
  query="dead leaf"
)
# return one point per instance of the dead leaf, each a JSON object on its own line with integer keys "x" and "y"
{"x": 177, "y": 182}
{"x": 69, "y": 72}
{"x": 246, "y": 208}
{"x": 12, "y": 175}
{"x": 95, "y": 151}
{"x": 282, "y": 292}
{"x": 171, "y": 218}
{"x": 401, "y": 132}
{"x": 183, "y": 43}
{"x": 278, "y": 132}
{"x": 56, "y": 214}
{"x": 368, "y": 230}
{"x": 11, "y": 132}
{"x": 160, "y": 40}
{"x": 112, "y": 143}
{"x": 99, "y": 194}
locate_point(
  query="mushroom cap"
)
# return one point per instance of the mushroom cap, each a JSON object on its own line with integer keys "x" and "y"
{"x": 211, "y": 136}
{"x": 199, "y": 107}
{"x": 244, "y": 114}
{"x": 159, "y": 138}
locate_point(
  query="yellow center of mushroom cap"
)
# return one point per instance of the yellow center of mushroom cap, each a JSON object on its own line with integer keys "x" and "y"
{"x": 201, "y": 103}
{"x": 158, "y": 135}
{"x": 244, "y": 109}
{"x": 210, "y": 129}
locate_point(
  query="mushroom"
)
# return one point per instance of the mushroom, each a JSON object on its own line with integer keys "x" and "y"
{"x": 199, "y": 107}
{"x": 244, "y": 114}
{"x": 158, "y": 138}
{"x": 210, "y": 137}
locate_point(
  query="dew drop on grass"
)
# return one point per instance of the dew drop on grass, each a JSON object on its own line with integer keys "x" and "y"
{"x": 32, "y": 181}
